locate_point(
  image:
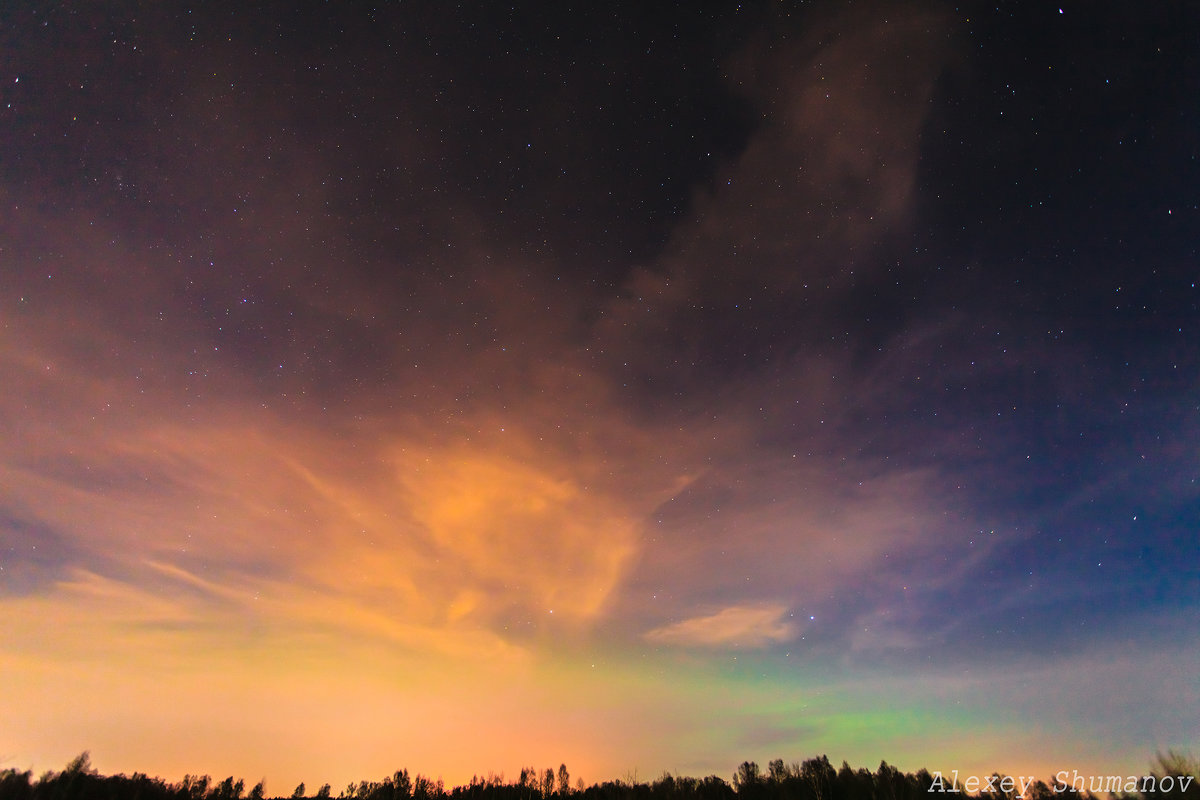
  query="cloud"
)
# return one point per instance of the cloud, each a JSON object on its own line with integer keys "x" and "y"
{"x": 473, "y": 443}
{"x": 737, "y": 626}
{"x": 827, "y": 179}
{"x": 535, "y": 537}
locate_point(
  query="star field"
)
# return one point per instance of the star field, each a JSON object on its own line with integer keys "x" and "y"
{"x": 642, "y": 388}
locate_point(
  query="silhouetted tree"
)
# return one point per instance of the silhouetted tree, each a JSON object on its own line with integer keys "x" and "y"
{"x": 1176, "y": 766}
{"x": 714, "y": 788}
{"x": 814, "y": 779}
{"x": 892, "y": 784}
{"x": 80, "y": 765}
{"x": 427, "y": 789}
{"x": 401, "y": 785}
{"x": 819, "y": 776}
{"x": 228, "y": 789}
{"x": 747, "y": 777}
{"x": 854, "y": 784}
{"x": 16, "y": 785}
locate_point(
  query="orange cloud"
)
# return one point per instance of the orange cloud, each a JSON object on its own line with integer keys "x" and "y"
{"x": 527, "y": 535}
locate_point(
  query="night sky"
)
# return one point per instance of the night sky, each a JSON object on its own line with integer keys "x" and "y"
{"x": 640, "y": 386}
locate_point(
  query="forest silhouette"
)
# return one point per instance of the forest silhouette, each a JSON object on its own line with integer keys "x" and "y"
{"x": 814, "y": 779}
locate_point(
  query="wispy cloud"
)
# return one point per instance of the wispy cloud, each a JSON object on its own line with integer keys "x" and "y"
{"x": 736, "y": 626}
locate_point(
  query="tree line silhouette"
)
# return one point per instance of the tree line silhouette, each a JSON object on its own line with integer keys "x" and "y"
{"x": 814, "y": 779}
